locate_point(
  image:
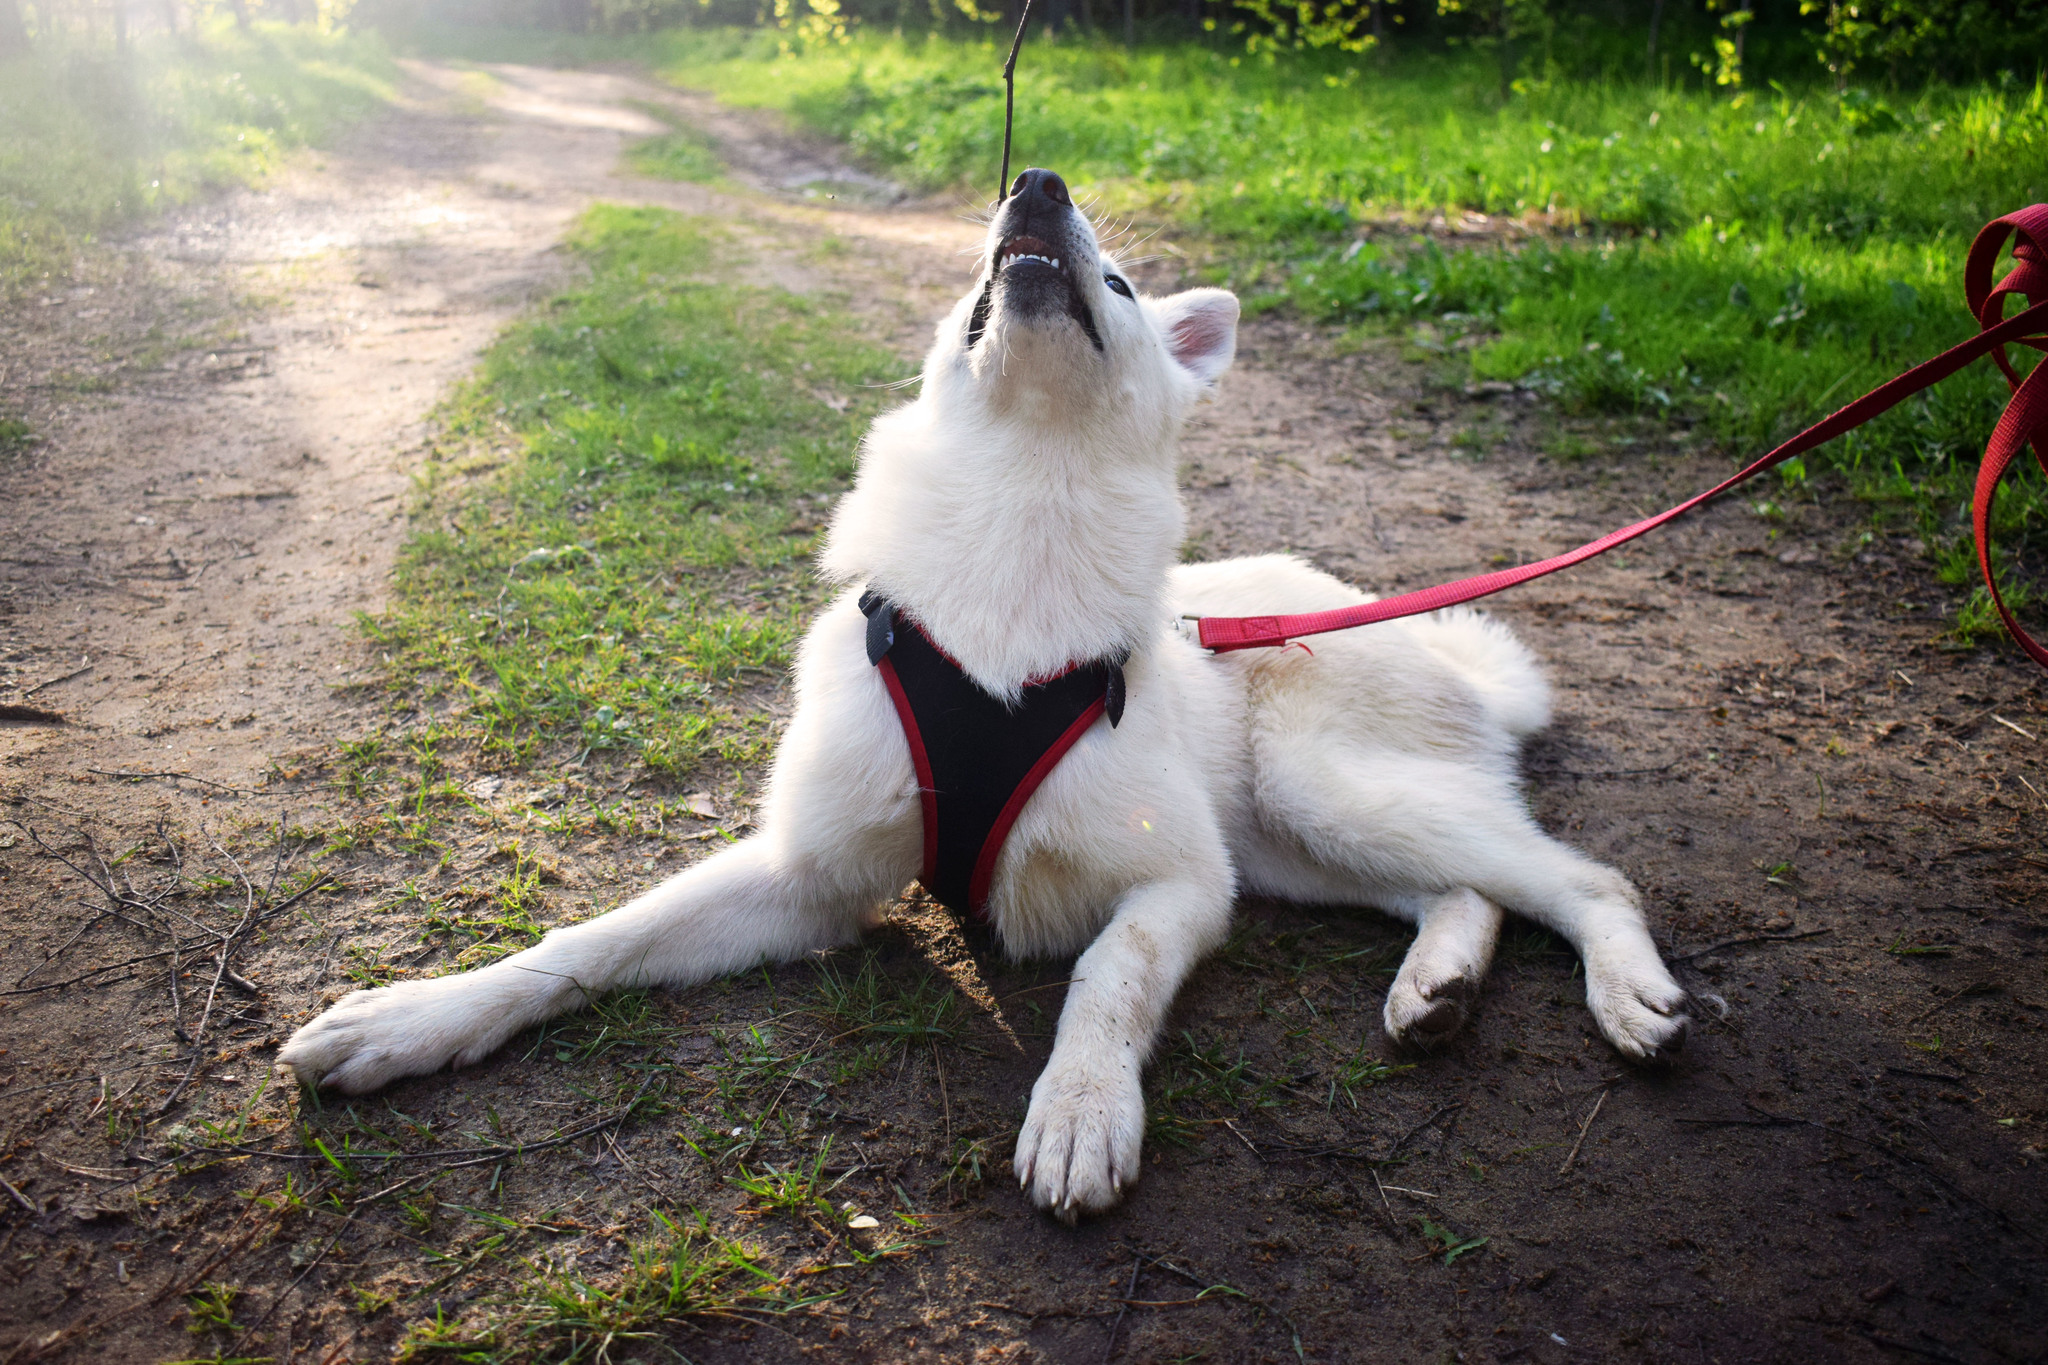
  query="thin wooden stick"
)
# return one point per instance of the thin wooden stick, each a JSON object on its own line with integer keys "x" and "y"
{"x": 1584, "y": 1129}
{"x": 1009, "y": 103}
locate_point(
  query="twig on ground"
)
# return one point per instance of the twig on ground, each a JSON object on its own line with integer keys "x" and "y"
{"x": 1416, "y": 1131}
{"x": 1392, "y": 1226}
{"x": 17, "y": 1196}
{"x": 181, "y": 777}
{"x": 228, "y": 943}
{"x": 1973, "y": 989}
{"x": 1699, "y": 953}
{"x": 1584, "y": 1129}
{"x": 1242, "y": 1138}
{"x": 640, "y": 1175}
{"x": 85, "y": 667}
{"x": 312, "y": 1265}
{"x": 1124, "y": 1305}
{"x": 1892, "y": 1344}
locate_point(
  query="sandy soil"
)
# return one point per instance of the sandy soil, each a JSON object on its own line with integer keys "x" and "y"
{"x": 1837, "y": 818}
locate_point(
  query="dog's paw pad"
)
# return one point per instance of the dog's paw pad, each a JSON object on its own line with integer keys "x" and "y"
{"x": 1426, "y": 1016}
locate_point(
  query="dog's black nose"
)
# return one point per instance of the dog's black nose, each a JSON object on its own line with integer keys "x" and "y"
{"x": 1041, "y": 182}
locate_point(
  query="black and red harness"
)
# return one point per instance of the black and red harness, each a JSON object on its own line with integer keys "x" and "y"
{"x": 978, "y": 757}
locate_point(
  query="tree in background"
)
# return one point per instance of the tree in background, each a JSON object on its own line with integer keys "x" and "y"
{"x": 1950, "y": 39}
{"x": 1514, "y": 31}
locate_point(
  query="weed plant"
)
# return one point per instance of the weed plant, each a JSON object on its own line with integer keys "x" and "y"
{"x": 92, "y": 138}
{"x": 662, "y": 441}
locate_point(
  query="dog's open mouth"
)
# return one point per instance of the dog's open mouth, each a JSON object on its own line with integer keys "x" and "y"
{"x": 1026, "y": 252}
{"x": 1037, "y": 280}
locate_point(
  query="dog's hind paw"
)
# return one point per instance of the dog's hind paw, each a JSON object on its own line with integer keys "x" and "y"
{"x": 1081, "y": 1142}
{"x": 1639, "y": 1008}
{"x": 1422, "y": 1014}
{"x": 373, "y": 1037}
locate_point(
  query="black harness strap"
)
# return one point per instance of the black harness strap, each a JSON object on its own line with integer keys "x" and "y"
{"x": 978, "y": 759}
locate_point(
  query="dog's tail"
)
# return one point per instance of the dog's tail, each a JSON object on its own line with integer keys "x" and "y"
{"x": 1500, "y": 668}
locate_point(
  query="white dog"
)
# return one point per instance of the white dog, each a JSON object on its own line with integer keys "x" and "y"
{"x": 1023, "y": 512}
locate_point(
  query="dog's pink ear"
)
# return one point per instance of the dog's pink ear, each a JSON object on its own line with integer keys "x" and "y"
{"x": 1200, "y": 328}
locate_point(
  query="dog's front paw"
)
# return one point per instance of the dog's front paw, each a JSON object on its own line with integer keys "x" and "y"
{"x": 1080, "y": 1146}
{"x": 374, "y": 1037}
{"x": 1636, "y": 1003}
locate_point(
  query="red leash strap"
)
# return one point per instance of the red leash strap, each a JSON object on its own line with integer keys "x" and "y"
{"x": 2025, "y": 419}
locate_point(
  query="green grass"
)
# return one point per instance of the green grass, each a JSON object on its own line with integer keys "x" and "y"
{"x": 1731, "y": 268}
{"x": 682, "y": 154}
{"x": 609, "y": 547}
{"x": 91, "y": 139}
{"x": 872, "y": 1006}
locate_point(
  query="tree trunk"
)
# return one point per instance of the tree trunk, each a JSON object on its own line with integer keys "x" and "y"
{"x": 170, "y": 8}
{"x": 13, "y": 33}
{"x": 1377, "y": 31}
{"x": 1656, "y": 18}
{"x": 242, "y": 14}
{"x": 1130, "y": 23}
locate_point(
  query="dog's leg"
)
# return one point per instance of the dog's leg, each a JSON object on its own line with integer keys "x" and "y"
{"x": 1392, "y": 821}
{"x": 1080, "y": 1145}
{"x": 737, "y": 908}
{"x": 1630, "y": 993}
{"x": 1439, "y": 979}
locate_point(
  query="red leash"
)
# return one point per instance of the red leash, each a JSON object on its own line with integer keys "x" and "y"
{"x": 2025, "y": 419}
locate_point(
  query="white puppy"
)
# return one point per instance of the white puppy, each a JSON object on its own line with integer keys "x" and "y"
{"x": 1024, "y": 512}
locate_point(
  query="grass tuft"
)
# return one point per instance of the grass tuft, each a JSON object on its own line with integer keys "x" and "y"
{"x": 869, "y": 1004}
{"x": 659, "y": 444}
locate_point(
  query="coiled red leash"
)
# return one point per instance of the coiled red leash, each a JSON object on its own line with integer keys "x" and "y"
{"x": 2025, "y": 419}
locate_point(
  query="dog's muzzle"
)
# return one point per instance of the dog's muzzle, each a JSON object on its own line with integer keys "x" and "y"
{"x": 1041, "y": 241}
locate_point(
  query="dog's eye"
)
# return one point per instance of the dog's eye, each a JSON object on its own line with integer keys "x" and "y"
{"x": 1117, "y": 284}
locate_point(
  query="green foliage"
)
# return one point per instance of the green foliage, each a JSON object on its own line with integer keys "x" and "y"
{"x": 682, "y": 1270}
{"x": 211, "y": 1307}
{"x": 1731, "y": 267}
{"x": 1449, "y": 1243}
{"x": 683, "y": 154}
{"x": 799, "y": 1191}
{"x": 869, "y": 1004}
{"x": 90, "y": 139}
{"x": 653, "y": 432}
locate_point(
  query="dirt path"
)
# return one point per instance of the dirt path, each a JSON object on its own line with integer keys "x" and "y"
{"x": 1757, "y": 721}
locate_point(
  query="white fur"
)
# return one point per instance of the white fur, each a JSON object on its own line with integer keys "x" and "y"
{"x": 1024, "y": 509}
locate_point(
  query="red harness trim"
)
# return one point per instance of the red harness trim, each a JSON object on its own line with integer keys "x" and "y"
{"x": 2025, "y": 420}
{"x": 927, "y": 790}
